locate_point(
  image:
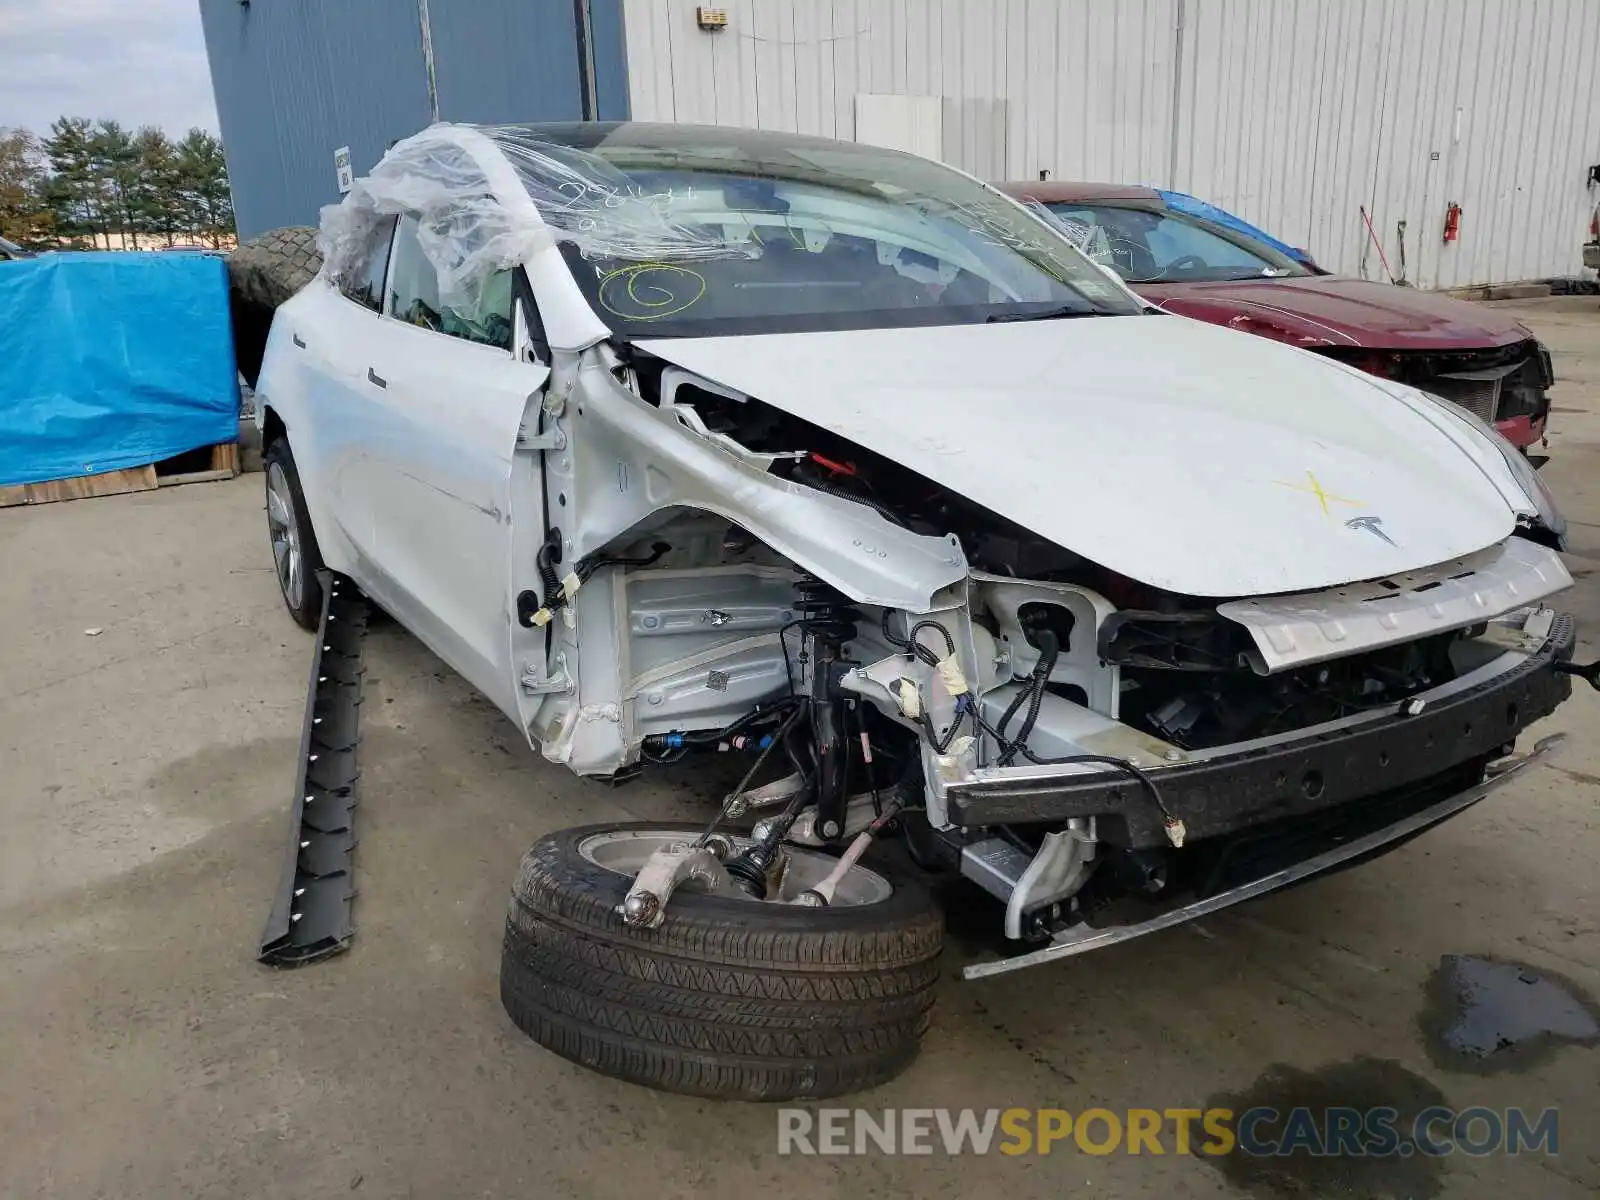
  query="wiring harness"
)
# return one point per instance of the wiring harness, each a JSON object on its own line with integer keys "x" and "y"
{"x": 1032, "y": 696}
{"x": 558, "y": 592}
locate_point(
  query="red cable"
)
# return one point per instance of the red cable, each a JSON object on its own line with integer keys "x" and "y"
{"x": 837, "y": 468}
{"x": 1381, "y": 257}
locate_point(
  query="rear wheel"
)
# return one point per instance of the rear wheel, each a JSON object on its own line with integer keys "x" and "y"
{"x": 730, "y": 997}
{"x": 262, "y": 273}
{"x": 295, "y": 556}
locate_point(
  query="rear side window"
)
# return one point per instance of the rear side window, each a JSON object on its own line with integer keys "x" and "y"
{"x": 365, "y": 284}
{"x": 414, "y": 296}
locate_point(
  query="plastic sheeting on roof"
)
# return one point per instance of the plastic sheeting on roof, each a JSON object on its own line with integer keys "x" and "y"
{"x": 448, "y": 177}
{"x": 112, "y": 360}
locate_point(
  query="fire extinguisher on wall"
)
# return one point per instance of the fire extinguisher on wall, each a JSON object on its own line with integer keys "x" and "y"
{"x": 1452, "y": 221}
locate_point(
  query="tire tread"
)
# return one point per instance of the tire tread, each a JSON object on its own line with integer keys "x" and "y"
{"x": 725, "y": 999}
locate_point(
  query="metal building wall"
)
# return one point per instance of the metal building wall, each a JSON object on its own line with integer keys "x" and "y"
{"x": 468, "y": 37}
{"x": 1297, "y": 114}
{"x": 500, "y": 61}
{"x": 1087, "y": 84}
{"x": 297, "y": 79}
{"x": 1293, "y": 113}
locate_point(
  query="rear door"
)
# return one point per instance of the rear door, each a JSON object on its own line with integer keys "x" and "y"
{"x": 450, "y": 393}
{"x": 315, "y": 377}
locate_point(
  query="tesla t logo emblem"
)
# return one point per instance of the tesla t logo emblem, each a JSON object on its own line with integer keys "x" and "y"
{"x": 1373, "y": 525}
{"x": 1314, "y": 488}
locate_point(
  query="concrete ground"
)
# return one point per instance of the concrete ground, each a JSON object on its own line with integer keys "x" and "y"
{"x": 144, "y": 776}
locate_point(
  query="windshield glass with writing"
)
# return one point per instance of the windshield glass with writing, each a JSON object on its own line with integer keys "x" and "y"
{"x": 1153, "y": 245}
{"x": 812, "y": 236}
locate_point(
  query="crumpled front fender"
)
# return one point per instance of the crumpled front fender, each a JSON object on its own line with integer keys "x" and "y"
{"x": 630, "y": 460}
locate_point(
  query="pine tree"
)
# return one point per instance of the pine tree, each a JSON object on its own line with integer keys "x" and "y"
{"x": 116, "y": 166}
{"x": 204, "y": 175}
{"x": 103, "y": 181}
{"x": 73, "y": 190}
{"x": 155, "y": 199}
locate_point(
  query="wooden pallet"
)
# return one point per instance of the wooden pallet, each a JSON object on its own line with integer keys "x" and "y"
{"x": 224, "y": 464}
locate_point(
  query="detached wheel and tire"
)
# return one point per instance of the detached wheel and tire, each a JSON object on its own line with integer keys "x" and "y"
{"x": 262, "y": 273}
{"x": 730, "y": 997}
{"x": 295, "y": 556}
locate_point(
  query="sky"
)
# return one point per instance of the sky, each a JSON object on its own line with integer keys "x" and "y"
{"x": 140, "y": 62}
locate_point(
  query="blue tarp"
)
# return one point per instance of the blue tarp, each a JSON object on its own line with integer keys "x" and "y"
{"x": 112, "y": 360}
{"x": 1179, "y": 202}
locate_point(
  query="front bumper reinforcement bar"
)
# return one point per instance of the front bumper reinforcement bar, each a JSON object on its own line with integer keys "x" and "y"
{"x": 310, "y": 916}
{"x": 1082, "y": 938}
{"x": 1317, "y": 769}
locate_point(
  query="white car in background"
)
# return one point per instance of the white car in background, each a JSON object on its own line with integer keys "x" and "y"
{"x": 677, "y": 440}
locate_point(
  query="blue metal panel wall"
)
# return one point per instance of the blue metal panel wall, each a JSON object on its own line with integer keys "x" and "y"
{"x": 610, "y": 59}
{"x": 501, "y": 61}
{"x": 297, "y": 79}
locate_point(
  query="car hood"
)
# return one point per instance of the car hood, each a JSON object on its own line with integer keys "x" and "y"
{"x": 1328, "y": 310}
{"x": 1185, "y": 456}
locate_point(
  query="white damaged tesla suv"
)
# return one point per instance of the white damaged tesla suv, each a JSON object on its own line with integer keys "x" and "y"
{"x": 679, "y": 441}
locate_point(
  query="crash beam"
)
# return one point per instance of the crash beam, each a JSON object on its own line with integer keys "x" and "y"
{"x": 310, "y": 916}
{"x": 1082, "y": 938}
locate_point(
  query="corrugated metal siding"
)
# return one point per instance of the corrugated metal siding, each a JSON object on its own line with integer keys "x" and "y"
{"x": 975, "y": 136}
{"x": 501, "y": 61}
{"x": 610, "y": 59}
{"x": 1292, "y": 113}
{"x": 1094, "y": 77}
{"x": 1295, "y": 113}
{"x": 471, "y": 44}
{"x": 297, "y": 79}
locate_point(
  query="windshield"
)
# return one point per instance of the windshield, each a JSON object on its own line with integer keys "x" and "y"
{"x": 692, "y": 232}
{"x": 1147, "y": 244}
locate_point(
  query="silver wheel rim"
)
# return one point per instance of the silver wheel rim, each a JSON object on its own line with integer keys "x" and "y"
{"x": 284, "y": 530}
{"x": 624, "y": 851}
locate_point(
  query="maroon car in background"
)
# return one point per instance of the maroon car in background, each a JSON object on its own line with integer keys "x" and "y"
{"x": 1213, "y": 270}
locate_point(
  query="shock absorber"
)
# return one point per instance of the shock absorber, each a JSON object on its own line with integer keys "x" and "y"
{"x": 825, "y": 610}
{"x": 827, "y": 622}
